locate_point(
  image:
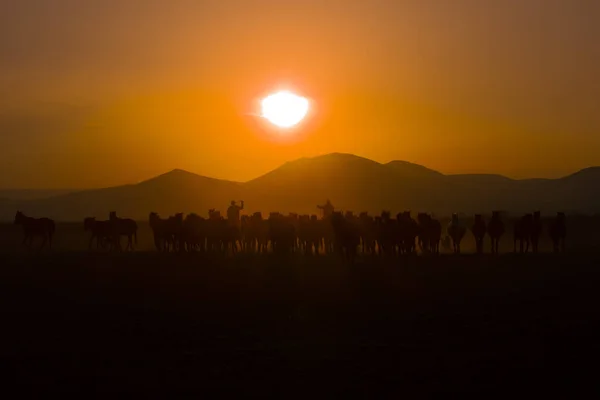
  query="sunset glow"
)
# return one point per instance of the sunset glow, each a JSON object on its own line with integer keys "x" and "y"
{"x": 284, "y": 109}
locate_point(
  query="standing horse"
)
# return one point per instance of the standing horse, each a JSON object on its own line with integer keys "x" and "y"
{"x": 123, "y": 227}
{"x": 522, "y": 233}
{"x": 558, "y": 232}
{"x": 495, "y": 230}
{"x": 536, "y": 231}
{"x": 479, "y": 230}
{"x": 32, "y": 227}
{"x": 408, "y": 229}
{"x": 159, "y": 231}
{"x": 430, "y": 233}
{"x": 347, "y": 235}
{"x": 456, "y": 231}
{"x": 101, "y": 231}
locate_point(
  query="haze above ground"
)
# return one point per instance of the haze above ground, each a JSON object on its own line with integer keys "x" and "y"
{"x": 103, "y": 93}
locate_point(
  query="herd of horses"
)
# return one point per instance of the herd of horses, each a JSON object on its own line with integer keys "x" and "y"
{"x": 343, "y": 233}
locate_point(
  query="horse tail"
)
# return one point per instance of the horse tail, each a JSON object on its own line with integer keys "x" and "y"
{"x": 135, "y": 236}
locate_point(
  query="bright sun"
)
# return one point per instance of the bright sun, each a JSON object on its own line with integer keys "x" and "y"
{"x": 284, "y": 109}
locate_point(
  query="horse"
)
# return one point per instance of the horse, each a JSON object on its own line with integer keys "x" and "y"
{"x": 386, "y": 233}
{"x": 522, "y": 233}
{"x": 193, "y": 235}
{"x": 281, "y": 233}
{"x": 259, "y": 229}
{"x": 479, "y": 230}
{"x": 430, "y": 233}
{"x": 123, "y": 227}
{"x": 456, "y": 230}
{"x": 101, "y": 231}
{"x": 367, "y": 233}
{"x": 408, "y": 230}
{"x": 536, "y": 231}
{"x": 32, "y": 227}
{"x": 495, "y": 230}
{"x": 558, "y": 232}
{"x": 159, "y": 231}
{"x": 174, "y": 232}
{"x": 347, "y": 236}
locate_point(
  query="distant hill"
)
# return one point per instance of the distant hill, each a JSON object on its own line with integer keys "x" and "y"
{"x": 175, "y": 191}
{"x": 32, "y": 194}
{"x": 410, "y": 170}
{"x": 350, "y": 182}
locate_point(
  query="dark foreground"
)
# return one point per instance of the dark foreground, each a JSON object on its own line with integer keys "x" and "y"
{"x": 158, "y": 324}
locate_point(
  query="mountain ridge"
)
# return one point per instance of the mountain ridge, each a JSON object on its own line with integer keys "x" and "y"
{"x": 350, "y": 181}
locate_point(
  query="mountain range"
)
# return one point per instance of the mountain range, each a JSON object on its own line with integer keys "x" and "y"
{"x": 350, "y": 182}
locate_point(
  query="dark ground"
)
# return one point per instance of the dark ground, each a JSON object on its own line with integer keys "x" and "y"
{"x": 158, "y": 324}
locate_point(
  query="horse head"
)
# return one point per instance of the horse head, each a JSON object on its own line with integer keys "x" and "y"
{"x": 19, "y": 216}
{"x": 88, "y": 223}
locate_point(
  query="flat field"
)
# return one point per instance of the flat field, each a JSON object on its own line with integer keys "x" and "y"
{"x": 159, "y": 324}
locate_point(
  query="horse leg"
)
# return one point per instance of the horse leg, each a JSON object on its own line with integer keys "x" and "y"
{"x": 43, "y": 242}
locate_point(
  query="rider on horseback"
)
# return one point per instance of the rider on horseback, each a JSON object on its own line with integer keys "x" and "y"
{"x": 327, "y": 208}
{"x": 233, "y": 213}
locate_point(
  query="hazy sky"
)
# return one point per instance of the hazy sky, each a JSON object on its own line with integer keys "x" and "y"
{"x": 104, "y": 92}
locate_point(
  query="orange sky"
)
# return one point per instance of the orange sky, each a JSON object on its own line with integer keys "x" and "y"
{"x": 101, "y": 93}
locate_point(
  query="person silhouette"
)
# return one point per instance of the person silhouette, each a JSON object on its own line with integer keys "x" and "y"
{"x": 327, "y": 208}
{"x": 233, "y": 213}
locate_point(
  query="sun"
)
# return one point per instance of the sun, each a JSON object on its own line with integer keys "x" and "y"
{"x": 284, "y": 109}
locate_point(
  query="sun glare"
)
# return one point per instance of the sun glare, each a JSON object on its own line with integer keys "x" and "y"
{"x": 284, "y": 109}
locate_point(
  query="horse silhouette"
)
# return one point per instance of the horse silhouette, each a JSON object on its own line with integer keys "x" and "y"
{"x": 282, "y": 233}
{"x": 558, "y": 232}
{"x": 430, "y": 233}
{"x": 123, "y": 227}
{"x": 159, "y": 232}
{"x": 193, "y": 233}
{"x": 35, "y": 227}
{"x": 347, "y": 236}
{"x": 100, "y": 230}
{"x": 522, "y": 233}
{"x": 536, "y": 231}
{"x": 478, "y": 229}
{"x": 495, "y": 230}
{"x": 456, "y": 230}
